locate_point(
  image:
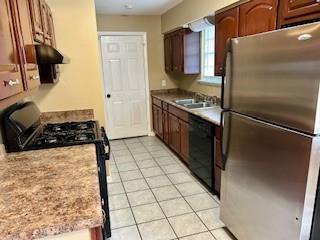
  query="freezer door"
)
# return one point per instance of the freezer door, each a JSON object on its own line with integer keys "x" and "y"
{"x": 269, "y": 184}
{"x": 275, "y": 77}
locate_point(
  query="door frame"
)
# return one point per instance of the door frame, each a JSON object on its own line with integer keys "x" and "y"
{"x": 146, "y": 73}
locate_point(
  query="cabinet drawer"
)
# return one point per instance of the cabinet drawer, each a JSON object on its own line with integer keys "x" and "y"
{"x": 183, "y": 115}
{"x": 157, "y": 102}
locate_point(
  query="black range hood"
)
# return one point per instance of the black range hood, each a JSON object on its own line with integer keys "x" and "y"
{"x": 49, "y": 55}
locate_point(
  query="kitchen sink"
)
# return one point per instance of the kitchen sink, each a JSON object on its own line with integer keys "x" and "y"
{"x": 193, "y": 103}
{"x": 185, "y": 101}
{"x": 199, "y": 105}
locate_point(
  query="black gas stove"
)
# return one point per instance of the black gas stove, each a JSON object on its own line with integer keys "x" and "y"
{"x": 64, "y": 134}
{"x": 24, "y": 131}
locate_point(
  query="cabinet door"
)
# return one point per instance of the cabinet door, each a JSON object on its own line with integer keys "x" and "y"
{"x": 45, "y": 22}
{"x": 258, "y": 16}
{"x": 168, "y": 53}
{"x": 177, "y": 51}
{"x": 52, "y": 31}
{"x": 165, "y": 127}
{"x": 184, "y": 140}
{"x": 35, "y": 8}
{"x": 24, "y": 27}
{"x": 155, "y": 119}
{"x": 292, "y": 11}
{"x": 160, "y": 122}
{"x": 174, "y": 133}
{"x": 227, "y": 25}
{"x": 10, "y": 71}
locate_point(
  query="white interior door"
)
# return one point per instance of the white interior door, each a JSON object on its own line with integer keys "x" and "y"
{"x": 125, "y": 86}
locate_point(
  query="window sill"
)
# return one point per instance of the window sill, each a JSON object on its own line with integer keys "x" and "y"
{"x": 216, "y": 81}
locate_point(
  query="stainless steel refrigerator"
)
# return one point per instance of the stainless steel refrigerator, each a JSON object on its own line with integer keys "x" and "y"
{"x": 270, "y": 138}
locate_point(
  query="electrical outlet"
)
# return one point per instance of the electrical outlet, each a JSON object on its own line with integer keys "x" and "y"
{"x": 164, "y": 83}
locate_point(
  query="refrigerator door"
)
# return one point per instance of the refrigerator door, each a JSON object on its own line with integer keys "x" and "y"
{"x": 269, "y": 185}
{"x": 275, "y": 77}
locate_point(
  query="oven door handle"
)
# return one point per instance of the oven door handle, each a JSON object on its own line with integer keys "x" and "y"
{"x": 106, "y": 143}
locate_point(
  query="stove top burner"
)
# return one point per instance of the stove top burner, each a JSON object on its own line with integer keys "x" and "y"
{"x": 66, "y": 134}
{"x": 47, "y": 140}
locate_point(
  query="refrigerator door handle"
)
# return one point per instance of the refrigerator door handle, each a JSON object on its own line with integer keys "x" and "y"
{"x": 224, "y": 141}
{"x": 225, "y": 85}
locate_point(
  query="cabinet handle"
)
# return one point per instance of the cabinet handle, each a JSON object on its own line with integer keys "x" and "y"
{"x": 11, "y": 82}
{"x": 35, "y": 77}
{"x": 39, "y": 33}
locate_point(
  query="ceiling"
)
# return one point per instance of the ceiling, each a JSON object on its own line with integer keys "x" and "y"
{"x": 139, "y": 7}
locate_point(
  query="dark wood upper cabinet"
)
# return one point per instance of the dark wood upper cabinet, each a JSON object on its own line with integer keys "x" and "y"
{"x": 28, "y": 54}
{"x": 11, "y": 81}
{"x": 45, "y": 22}
{"x": 20, "y": 28}
{"x": 177, "y": 52}
{"x": 295, "y": 11}
{"x": 182, "y": 52}
{"x": 36, "y": 19}
{"x": 51, "y": 28}
{"x": 227, "y": 26}
{"x": 168, "y": 53}
{"x": 258, "y": 16}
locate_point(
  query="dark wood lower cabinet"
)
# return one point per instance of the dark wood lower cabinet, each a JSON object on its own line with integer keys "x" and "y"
{"x": 96, "y": 233}
{"x": 157, "y": 121}
{"x": 174, "y": 132}
{"x": 165, "y": 126}
{"x": 184, "y": 141}
{"x": 171, "y": 125}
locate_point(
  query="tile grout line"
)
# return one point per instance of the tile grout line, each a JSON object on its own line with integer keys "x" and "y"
{"x": 136, "y": 225}
{"x": 172, "y": 184}
{"x": 184, "y": 200}
{"x": 155, "y": 197}
{"x": 193, "y": 211}
{"x": 183, "y": 197}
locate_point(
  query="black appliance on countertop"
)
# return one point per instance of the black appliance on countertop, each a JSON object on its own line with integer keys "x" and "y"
{"x": 24, "y": 131}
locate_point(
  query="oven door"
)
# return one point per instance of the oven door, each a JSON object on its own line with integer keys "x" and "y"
{"x": 102, "y": 157}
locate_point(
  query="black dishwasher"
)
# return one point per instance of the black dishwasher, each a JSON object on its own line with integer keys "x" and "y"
{"x": 201, "y": 149}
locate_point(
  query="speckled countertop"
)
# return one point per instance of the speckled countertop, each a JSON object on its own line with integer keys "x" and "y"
{"x": 48, "y": 192}
{"x": 211, "y": 114}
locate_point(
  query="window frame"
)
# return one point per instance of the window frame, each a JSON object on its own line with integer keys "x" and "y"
{"x": 208, "y": 80}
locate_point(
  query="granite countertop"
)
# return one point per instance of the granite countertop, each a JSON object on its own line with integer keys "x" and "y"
{"x": 211, "y": 114}
{"x": 48, "y": 192}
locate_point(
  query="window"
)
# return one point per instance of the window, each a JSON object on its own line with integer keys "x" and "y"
{"x": 207, "y": 52}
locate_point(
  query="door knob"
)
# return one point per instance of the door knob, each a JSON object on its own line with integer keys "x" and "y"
{"x": 108, "y": 95}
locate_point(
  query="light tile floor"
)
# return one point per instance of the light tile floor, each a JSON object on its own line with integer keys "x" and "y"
{"x": 153, "y": 196}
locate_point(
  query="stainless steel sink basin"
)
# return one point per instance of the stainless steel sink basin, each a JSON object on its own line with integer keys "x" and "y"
{"x": 193, "y": 103}
{"x": 199, "y": 105}
{"x": 185, "y": 101}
